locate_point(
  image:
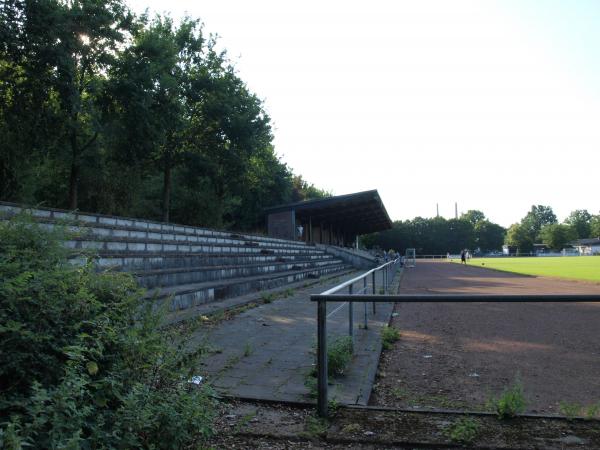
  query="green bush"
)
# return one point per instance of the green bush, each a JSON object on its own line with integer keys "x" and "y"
{"x": 82, "y": 364}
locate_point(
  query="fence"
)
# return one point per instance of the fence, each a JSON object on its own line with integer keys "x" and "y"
{"x": 389, "y": 269}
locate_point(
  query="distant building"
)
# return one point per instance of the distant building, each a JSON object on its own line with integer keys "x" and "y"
{"x": 539, "y": 249}
{"x": 589, "y": 246}
{"x": 509, "y": 250}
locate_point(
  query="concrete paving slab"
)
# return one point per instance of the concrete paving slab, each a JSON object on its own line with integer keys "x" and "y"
{"x": 267, "y": 352}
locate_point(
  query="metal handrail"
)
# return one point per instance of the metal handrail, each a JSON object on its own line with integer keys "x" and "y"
{"x": 330, "y": 296}
{"x": 358, "y": 278}
{"x": 322, "y": 319}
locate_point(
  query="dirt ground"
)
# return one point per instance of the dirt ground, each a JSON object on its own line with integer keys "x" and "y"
{"x": 255, "y": 425}
{"x": 458, "y": 356}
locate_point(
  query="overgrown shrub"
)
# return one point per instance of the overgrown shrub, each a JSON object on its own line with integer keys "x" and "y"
{"x": 82, "y": 364}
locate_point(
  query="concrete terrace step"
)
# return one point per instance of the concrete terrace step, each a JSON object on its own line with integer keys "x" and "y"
{"x": 151, "y": 261}
{"x": 116, "y": 244}
{"x": 53, "y": 216}
{"x": 180, "y": 276}
{"x": 90, "y": 232}
{"x": 191, "y": 295}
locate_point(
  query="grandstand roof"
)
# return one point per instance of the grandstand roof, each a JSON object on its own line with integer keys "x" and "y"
{"x": 358, "y": 213}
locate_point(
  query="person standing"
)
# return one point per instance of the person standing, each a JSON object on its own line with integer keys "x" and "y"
{"x": 463, "y": 257}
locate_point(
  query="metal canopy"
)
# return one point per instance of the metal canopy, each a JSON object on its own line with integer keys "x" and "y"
{"x": 358, "y": 213}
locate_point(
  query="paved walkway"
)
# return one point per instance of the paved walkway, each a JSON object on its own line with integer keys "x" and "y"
{"x": 267, "y": 352}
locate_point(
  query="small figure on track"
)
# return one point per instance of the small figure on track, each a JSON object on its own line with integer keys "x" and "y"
{"x": 463, "y": 257}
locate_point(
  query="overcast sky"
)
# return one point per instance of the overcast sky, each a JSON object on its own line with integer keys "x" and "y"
{"x": 491, "y": 104}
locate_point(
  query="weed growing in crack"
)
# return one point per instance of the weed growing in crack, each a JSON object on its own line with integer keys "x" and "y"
{"x": 315, "y": 427}
{"x": 389, "y": 335}
{"x": 592, "y": 411}
{"x": 511, "y": 402}
{"x": 464, "y": 430}
{"x": 339, "y": 355}
{"x": 267, "y": 297}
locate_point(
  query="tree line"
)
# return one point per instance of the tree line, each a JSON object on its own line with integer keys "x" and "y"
{"x": 472, "y": 230}
{"x": 105, "y": 111}
{"x": 437, "y": 235}
{"x": 540, "y": 225}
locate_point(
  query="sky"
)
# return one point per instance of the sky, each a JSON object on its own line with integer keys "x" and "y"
{"x": 494, "y": 105}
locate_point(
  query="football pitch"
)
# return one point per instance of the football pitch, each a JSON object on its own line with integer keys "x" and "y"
{"x": 571, "y": 267}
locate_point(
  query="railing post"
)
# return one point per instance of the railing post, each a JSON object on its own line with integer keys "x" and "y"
{"x": 322, "y": 358}
{"x": 384, "y": 274}
{"x": 350, "y": 315}
{"x": 374, "y": 291}
{"x": 365, "y": 303}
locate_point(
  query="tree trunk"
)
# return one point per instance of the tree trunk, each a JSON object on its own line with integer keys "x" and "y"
{"x": 166, "y": 188}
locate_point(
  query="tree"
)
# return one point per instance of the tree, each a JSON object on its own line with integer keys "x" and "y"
{"x": 85, "y": 41}
{"x": 595, "y": 227}
{"x": 489, "y": 236}
{"x": 536, "y": 218}
{"x": 303, "y": 190}
{"x": 473, "y": 216}
{"x": 579, "y": 220}
{"x": 557, "y": 236}
{"x": 132, "y": 117}
{"x": 518, "y": 236}
{"x": 165, "y": 56}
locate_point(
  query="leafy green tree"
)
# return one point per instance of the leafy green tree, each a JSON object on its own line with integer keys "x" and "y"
{"x": 595, "y": 226}
{"x": 83, "y": 46}
{"x": 303, "y": 190}
{"x": 133, "y": 117}
{"x": 579, "y": 220}
{"x": 156, "y": 69}
{"x": 473, "y": 216}
{"x": 519, "y": 236}
{"x": 30, "y": 120}
{"x": 557, "y": 236}
{"x": 489, "y": 236}
{"x": 536, "y": 218}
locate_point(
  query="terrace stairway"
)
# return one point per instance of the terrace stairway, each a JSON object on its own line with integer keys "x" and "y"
{"x": 186, "y": 266}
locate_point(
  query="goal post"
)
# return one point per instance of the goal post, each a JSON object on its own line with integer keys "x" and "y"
{"x": 410, "y": 258}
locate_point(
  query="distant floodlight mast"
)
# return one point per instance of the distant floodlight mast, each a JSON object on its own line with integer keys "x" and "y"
{"x": 410, "y": 258}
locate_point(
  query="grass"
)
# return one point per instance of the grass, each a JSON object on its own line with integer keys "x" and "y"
{"x": 570, "y": 267}
{"x": 314, "y": 427}
{"x": 572, "y": 410}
